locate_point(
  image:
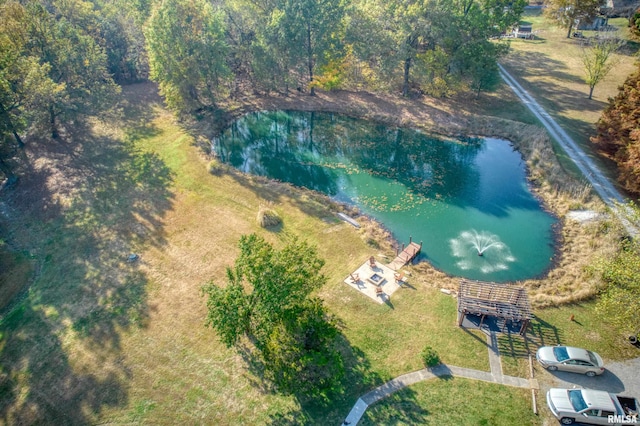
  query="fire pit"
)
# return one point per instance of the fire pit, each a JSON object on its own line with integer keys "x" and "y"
{"x": 376, "y": 279}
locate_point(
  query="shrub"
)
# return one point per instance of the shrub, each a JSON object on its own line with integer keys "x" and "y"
{"x": 268, "y": 217}
{"x": 429, "y": 357}
{"x": 214, "y": 167}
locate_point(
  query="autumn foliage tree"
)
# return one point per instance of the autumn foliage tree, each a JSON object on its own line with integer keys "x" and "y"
{"x": 618, "y": 132}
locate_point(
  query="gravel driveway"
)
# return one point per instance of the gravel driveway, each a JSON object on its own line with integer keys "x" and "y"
{"x": 620, "y": 377}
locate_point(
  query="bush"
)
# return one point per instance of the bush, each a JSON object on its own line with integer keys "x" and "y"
{"x": 268, "y": 217}
{"x": 429, "y": 357}
{"x": 214, "y": 167}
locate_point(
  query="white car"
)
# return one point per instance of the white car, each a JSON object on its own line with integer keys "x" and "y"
{"x": 567, "y": 358}
{"x": 592, "y": 407}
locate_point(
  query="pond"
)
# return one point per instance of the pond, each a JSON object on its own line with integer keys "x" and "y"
{"x": 467, "y": 200}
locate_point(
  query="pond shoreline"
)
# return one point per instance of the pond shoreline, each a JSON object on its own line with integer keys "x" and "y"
{"x": 566, "y": 280}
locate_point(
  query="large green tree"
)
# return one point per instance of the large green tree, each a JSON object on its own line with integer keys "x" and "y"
{"x": 438, "y": 46}
{"x": 188, "y": 53}
{"x": 268, "y": 300}
{"x": 312, "y": 31}
{"x": 77, "y": 64}
{"x": 565, "y": 13}
{"x": 618, "y": 132}
{"x": 470, "y": 38}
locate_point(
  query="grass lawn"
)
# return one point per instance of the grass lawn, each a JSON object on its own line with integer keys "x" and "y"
{"x": 453, "y": 401}
{"x": 98, "y": 339}
{"x": 550, "y": 67}
{"x": 125, "y": 342}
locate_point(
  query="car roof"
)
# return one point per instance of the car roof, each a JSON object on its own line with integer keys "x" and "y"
{"x": 578, "y": 353}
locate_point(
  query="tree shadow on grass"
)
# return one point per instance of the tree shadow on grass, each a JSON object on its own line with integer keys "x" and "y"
{"x": 399, "y": 408}
{"x": 358, "y": 380}
{"x": 85, "y": 204}
{"x": 535, "y": 64}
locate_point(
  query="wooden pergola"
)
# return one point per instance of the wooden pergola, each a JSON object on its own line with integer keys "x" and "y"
{"x": 496, "y": 300}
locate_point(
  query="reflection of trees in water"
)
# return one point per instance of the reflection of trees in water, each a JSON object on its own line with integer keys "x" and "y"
{"x": 289, "y": 147}
{"x": 426, "y": 166}
{"x": 278, "y": 145}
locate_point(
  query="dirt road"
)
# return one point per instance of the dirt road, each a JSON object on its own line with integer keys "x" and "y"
{"x": 609, "y": 194}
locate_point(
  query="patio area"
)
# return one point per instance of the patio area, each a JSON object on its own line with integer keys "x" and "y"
{"x": 378, "y": 282}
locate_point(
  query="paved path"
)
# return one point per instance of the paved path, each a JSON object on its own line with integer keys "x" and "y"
{"x": 609, "y": 194}
{"x": 442, "y": 370}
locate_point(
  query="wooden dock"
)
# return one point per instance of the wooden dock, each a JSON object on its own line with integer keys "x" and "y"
{"x": 406, "y": 256}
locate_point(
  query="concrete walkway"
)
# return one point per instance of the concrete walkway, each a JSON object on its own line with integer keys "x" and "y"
{"x": 442, "y": 370}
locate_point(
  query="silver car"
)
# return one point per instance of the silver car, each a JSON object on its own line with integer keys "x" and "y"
{"x": 567, "y": 358}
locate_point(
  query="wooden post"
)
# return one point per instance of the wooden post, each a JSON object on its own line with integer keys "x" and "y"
{"x": 410, "y": 238}
{"x": 534, "y": 404}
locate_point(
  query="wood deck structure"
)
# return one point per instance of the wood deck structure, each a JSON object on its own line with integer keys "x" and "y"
{"x": 501, "y": 301}
{"x": 406, "y": 255}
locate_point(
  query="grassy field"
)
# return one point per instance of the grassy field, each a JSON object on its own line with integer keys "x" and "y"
{"x": 98, "y": 339}
{"x": 551, "y": 68}
{"x": 125, "y": 342}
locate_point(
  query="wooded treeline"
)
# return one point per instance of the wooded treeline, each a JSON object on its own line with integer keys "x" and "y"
{"x": 618, "y": 132}
{"x": 61, "y": 60}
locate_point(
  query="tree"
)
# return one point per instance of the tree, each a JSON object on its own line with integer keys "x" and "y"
{"x": 566, "y": 13}
{"x": 411, "y": 25}
{"x": 188, "y": 53}
{"x": 438, "y": 45}
{"x": 23, "y": 82}
{"x": 312, "y": 30}
{"x": 470, "y": 38}
{"x": 595, "y": 59}
{"x": 77, "y": 64}
{"x": 618, "y": 132}
{"x": 268, "y": 301}
{"x": 634, "y": 24}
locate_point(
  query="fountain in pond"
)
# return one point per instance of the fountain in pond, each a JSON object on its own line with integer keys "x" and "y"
{"x": 481, "y": 251}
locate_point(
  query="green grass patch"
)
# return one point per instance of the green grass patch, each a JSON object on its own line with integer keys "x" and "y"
{"x": 588, "y": 330}
{"x": 453, "y": 401}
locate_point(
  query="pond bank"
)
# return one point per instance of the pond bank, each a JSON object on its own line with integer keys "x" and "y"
{"x": 567, "y": 282}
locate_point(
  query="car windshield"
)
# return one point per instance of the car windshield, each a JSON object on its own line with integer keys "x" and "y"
{"x": 593, "y": 358}
{"x": 561, "y": 353}
{"x": 575, "y": 396}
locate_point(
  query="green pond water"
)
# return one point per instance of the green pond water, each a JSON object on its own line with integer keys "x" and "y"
{"x": 459, "y": 197}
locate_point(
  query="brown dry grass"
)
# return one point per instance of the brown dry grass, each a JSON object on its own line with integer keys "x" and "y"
{"x": 551, "y": 68}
